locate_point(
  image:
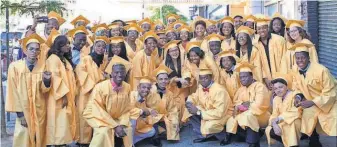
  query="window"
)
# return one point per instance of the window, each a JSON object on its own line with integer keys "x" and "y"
{"x": 272, "y": 6}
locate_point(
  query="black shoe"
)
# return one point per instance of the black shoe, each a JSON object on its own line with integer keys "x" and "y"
{"x": 254, "y": 145}
{"x": 226, "y": 141}
{"x": 199, "y": 140}
{"x": 156, "y": 142}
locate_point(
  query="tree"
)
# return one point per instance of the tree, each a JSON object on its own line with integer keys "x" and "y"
{"x": 166, "y": 9}
{"x": 28, "y": 7}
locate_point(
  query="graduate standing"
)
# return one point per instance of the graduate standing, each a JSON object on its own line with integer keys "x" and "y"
{"x": 61, "y": 111}
{"x": 78, "y": 48}
{"x": 319, "y": 88}
{"x": 208, "y": 109}
{"x": 214, "y": 46}
{"x": 227, "y": 30}
{"x": 28, "y": 81}
{"x": 108, "y": 111}
{"x": 89, "y": 72}
{"x": 133, "y": 44}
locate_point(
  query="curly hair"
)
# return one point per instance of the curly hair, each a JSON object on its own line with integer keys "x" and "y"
{"x": 303, "y": 33}
{"x": 283, "y": 25}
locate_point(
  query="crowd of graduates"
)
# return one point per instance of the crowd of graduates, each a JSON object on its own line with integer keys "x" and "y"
{"x": 233, "y": 79}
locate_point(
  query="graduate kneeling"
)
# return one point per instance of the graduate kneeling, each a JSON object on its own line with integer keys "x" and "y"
{"x": 143, "y": 117}
{"x": 108, "y": 111}
{"x": 251, "y": 107}
{"x": 285, "y": 121}
{"x": 208, "y": 109}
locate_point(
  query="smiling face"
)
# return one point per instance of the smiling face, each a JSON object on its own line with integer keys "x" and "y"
{"x": 211, "y": 29}
{"x": 80, "y": 40}
{"x": 150, "y": 46}
{"x": 115, "y": 32}
{"x": 249, "y": 24}
{"x": 294, "y": 33}
{"x": 227, "y": 29}
{"x": 246, "y": 78}
{"x": 163, "y": 80}
{"x": 118, "y": 73}
{"x": 162, "y": 40}
{"x": 174, "y": 52}
{"x": 242, "y": 38}
{"x": 215, "y": 47}
{"x": 146, "y": 27}
{"x": 237, "y": 22}
{"x": 132, "y": 35}
{"x": 262, "y": 31}
{"x": 99, "y": 47}
{"x": 33, "y": 51}
{"x": 227, "y": 63}
{"x": 116, "y": 48}
{"x": 194, "y": 58}
{"x": 302, "y": 59}
{"x": 184, "y": 35}
{"x": 52, "y": 24}
{"x": 280, "y": 89}
{"x": 171, "y": 20}
{"x": 171, "y": 36}
{"x": 144, "y": 89}
{"x": 205, "y": 80}
{"x": 277, "y": 25}
{"x": 200, "y": 30}
{"x": 66, "y": 48}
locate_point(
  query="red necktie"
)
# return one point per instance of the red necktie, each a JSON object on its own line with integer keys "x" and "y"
{"x": 205, "y": 89}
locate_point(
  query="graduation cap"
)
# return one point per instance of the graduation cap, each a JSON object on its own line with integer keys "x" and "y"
{"x": 113, "y": 25}
{"x": 52, "y": 36}
{"x": 80, "y": 29}
{"x": 244, "y": 67}
{"x": 191, "y": 45}
{"x": 278, "y": 15}
{"x": 116, "y": 60}
{"x": 99, "y": 27}
{"x": 205, "y": 71}
{"x": 158, "y": 22}
{"x": 227, "y": 53}
{"x": 80, "y": 18}
{"x": 245, "y": 29}
{"x": 131, "y": 22}
{"x": 172, "y": 16}
{"x": 301, "y": 47}
{"x": 185, "y": 28}
{"x": 133, "y": 27}
{"x": 250, "y": 18}
{"x": 102, "y": 38}
{"x": 169, "y": 29}
{"x": 286, "y": 77}
{"x": 150, "y": 34}
{"x": 117, "y": 39}
{"x": 210, "y": 22}
{"x": 262, "y": 21}
{"x": 161, "y": 70}
{"x": 145, "y": 21}
{"x": 57, "y": 17}
{"x": 171, "y": 44}
{"x": 227, "y": 19}
{"x": 34, "y": 38}
{"x": 214, "y": 37}
{"x": 145, "y": 80}
{"x": 295, "y": 23}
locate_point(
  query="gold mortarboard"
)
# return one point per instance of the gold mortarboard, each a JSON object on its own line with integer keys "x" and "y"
{"x": 198, "y": 18}
{"x": 117, "y": 39}
{"x": 262, "y": 21}
{"x": 34, "y": 38}
{"x": 301, "y": 47}
{"x": 160, "y": 32}
{"x": 102, "y": 38}
{"x": 53, "y": 34}
{"x": 210, "y": 22}
{"x": 169, "y": 29}
{"x": 58, "y": 17}
{"x": 287, "y": 77}
{"x": 227, "y": 53}
{"x": 205, "y": 71}
{"x": 113, "y": 25}
{"x": 161, "y": 69}
{"x": 179, "y": 22}
{"x": 133, "y": 27}
{"x": 245, "y": 29}
{"x": 172, "y": 16}
{"x": 171, "y": 44}
{"x": 150, "y": 34}
{"x": 80, "y": 18}
{"x": 131, "y": 22}
{"x": 214, "y": 37}
{"x": 115, "y": 60}
{"x": 227, "y": 19}
{"x": 99, "y": 27}
{"x": 185, "y": 28}
{"x": 80, "y": 29}
{"x": 295, "y": 23}
{"x": 250, "y": 18}
{"x": 278, "y": 15}
{"x": 159, "y": 22}
{"x": 244, "y": 67}
{"x": 145, "y": 21}
{"x": 145, "y": 80}
{"x": 191, "y": 45}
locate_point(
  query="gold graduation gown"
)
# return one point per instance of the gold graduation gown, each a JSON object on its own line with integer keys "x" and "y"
{"x": 44, "y": 52}
{"x": 225, "y": 46}
{"x": 255, "y": 59}
{"x": 215, "y": 106}
{"x": 257, "y": 115}
{"x": 203, "y": 46}
{"x": 142, "y": 65}
{"x": 26, "y": 93}
{"x": 106, "y": 110}
{"x": 230, "y": 82}
{"x": 276, "y": 51}
{"x": 61, "y": 122}
{"x": 289, "y": 61}
{"x": 167, "y": 106}
{"x": 88, "y": 75}
{"x": 192, "y": 70}
{"x": 320, "y": 87}
{"x": 130, "y": 52}
{"x": 291, "y": 120}
{"x": 144, "y": 125}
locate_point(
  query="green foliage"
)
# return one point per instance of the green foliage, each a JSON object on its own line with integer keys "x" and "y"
{"x": 166, "y": 9}
{"x": 31, "y": 8}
